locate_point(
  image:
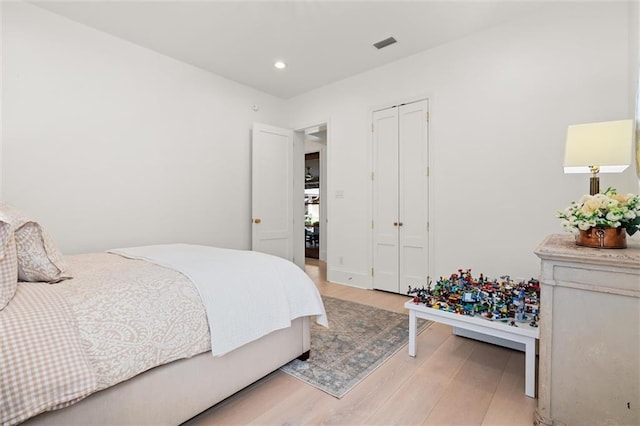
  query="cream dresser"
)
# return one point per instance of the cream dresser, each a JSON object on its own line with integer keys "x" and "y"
{"x": 589, "y": 355}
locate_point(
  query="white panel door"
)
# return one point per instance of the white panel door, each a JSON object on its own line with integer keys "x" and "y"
{"x": 413, "y": 195}
{"x": 385, "y": 200}
{"x": 272, "y": 190}
{"x": 400, "y": 197}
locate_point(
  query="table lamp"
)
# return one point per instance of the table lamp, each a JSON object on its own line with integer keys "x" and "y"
{"x": 598, "y": 148}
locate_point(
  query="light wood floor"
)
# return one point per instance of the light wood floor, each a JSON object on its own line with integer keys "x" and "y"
{"x": 451, "y": 381}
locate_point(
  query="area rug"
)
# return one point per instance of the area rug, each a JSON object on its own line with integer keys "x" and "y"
{"x": 359, "y": 339}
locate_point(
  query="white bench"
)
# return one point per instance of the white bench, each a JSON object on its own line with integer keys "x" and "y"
{"x": 523, "y": 333}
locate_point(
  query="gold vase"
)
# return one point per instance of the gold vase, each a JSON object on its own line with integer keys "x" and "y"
{"x": 615, "y": 238}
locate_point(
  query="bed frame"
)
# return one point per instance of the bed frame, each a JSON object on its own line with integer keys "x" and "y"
{"x": 174, "y": 393}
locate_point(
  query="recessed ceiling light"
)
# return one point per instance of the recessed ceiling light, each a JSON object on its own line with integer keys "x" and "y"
{"x": 280, "y": 65}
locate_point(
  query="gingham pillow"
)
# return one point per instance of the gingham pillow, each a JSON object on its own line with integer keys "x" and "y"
{"x": 8, "y": 264}
{"x": 38, "y": 257}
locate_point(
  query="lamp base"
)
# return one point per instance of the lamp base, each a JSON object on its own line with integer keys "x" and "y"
{"x": 594, "y": 185}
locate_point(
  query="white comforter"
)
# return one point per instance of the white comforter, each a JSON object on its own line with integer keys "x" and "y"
{"x": 246, "y": 294}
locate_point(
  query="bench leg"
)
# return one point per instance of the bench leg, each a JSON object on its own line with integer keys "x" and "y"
{"x": 530, "y": 368}
{"x": 412, "y": 333}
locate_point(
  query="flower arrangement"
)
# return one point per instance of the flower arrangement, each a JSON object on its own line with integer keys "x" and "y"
{"x": 606, "y": 210}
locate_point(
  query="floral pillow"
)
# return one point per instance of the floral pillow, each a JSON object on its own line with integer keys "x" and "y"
{"x": 38, "y": 257}
{"x": 8, "y": 264}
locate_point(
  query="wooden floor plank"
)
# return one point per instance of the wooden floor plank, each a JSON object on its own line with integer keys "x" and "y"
{"x": 295, "y": 409}
{"x": 413, "y": 403}
{"x": 467, "y": 398}
{"x": 259, "y": 396}
{"x": 510, "y": 406}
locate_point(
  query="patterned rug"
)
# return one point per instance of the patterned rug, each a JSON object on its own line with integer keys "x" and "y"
{"x": 359, "y": 339}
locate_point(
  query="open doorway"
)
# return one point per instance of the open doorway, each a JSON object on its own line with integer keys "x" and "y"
{"x": 312, "y": 205}
{"x": 315, "y": 173}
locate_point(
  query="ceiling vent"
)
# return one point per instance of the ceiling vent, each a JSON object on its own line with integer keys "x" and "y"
{"x": 384, "y": 43}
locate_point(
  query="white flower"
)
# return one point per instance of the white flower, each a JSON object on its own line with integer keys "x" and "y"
{"x": 584, "y": 225}
{"x": 614, "y": 216}
{"x": 605, "y": 210}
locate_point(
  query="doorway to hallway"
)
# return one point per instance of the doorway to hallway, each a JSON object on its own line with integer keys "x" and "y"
{"x": 312, "y": 205}
{"x": 315, "y": 142}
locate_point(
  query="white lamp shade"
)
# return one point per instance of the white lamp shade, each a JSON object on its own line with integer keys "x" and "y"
{"x": 606, "y": 145}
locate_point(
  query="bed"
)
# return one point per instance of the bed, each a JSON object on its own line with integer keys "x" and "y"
{"x": 142, "y": 335}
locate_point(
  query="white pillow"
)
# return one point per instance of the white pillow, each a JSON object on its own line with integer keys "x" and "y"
{"x": 8, "y": 264}
{"x": 38, "y": 257}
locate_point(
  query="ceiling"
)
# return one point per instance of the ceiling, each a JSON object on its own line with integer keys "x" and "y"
{"x": 321, "y": 41}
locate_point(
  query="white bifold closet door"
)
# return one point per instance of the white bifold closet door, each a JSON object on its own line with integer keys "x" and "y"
{"x": 400, "y": 197}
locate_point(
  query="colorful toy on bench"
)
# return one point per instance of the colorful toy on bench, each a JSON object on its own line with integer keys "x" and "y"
{"x": 499, "y": 299}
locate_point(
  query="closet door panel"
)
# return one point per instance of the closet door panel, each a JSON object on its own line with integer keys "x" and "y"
{"x": 413, "y": 194}
{"x": 385, "y": 200}
{"x": 400, "y": 197}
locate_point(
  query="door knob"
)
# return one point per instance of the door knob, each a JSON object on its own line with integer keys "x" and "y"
{"x": 395, "y": 223}
{"x": 256, "y": 221}
{"x": 400, "y": 224}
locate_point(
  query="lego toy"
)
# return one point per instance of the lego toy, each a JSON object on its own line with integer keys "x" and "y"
{"x": 501, "y": 299}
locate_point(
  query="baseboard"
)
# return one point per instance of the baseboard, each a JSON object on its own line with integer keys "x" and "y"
{"x": 350, "y": 278}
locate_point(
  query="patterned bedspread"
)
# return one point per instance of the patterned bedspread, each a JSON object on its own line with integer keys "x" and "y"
{"x": 115, "y": 319}
{"x": 133, "y": 315}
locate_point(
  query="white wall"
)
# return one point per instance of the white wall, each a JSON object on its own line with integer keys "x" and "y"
{"x": 634, "y": 75}
{"x": 1, "y": 116}
{"x": 109, "y": 144}
{"x": 634, "y": 52}
{"x": 500, "y": 102}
